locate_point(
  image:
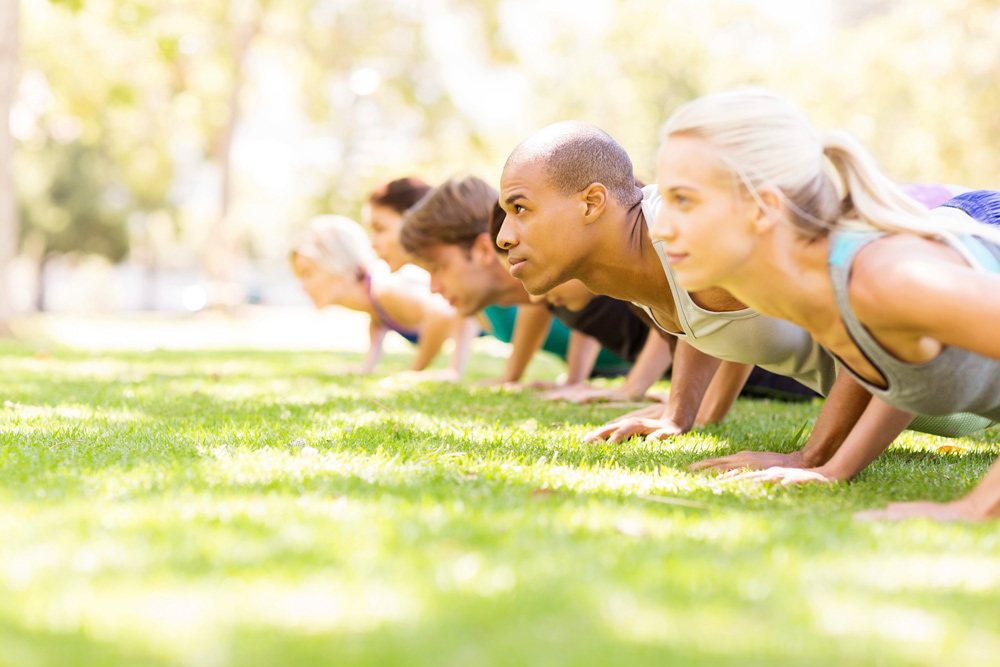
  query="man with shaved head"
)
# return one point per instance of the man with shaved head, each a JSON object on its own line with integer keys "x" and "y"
{"x": 573, "y": 211}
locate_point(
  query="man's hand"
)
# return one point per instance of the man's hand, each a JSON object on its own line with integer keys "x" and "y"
{"x": 585, "y": 394}
{"x": 653, "y": 429}
{"x": 751, "y": 460}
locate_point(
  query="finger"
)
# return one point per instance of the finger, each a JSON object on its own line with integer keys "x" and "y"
{"x": 625, "y": 432}
{"x": 708, "y": 463}
{"x": 661, "y": 434}
{"x": 599, "y": 433}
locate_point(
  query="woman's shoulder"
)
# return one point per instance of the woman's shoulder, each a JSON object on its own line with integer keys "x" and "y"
{"x": 889, "y": 274}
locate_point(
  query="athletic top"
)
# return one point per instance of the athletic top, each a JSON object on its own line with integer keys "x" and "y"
{"x": 409, "y": 334}
{"x": 611, "y": 322}
{"x": 502, "y": 319}
{"x": 743, "y": 336}
{"x": 956, "y": 379}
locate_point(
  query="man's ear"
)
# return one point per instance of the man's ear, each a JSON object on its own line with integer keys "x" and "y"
{"x": 483, "y": 251}
{"x": 767, "y": 208}
{"x": 595, "y": 199}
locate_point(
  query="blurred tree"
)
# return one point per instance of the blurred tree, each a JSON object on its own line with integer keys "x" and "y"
{"x": 93, "y": 148}
{"x": 9, "y": 20}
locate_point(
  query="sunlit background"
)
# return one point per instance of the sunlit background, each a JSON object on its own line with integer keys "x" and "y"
{"x": 166, "y": 153}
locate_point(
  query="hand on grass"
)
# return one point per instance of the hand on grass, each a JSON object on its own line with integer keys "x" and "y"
{"x": 584, "y": 394}
{"x": 650, "y": 411}
{"x": 653, "y": 429}
{"x": 752, "y": 460}
{"x": 787, "y": 476}
{"x": 957, "y": 510}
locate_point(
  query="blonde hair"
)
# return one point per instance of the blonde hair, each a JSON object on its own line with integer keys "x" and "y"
{"x": 338, "y": 245}
{"x": 766, "y": 142}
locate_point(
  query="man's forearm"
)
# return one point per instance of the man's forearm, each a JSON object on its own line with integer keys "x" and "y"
{"x": 693, "y": 372}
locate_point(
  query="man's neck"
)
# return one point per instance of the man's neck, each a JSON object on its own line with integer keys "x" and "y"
{"x": 624, "y": 264}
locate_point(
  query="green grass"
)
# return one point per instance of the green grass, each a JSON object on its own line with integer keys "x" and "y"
{"x": 252, "y": 509}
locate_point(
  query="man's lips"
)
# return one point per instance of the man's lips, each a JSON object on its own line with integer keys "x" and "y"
{"x": 516, "y": 264}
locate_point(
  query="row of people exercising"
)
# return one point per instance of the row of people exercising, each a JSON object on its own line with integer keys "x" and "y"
{"x": 763, "y": 243}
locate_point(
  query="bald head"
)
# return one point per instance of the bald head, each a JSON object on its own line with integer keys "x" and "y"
{"x": 574, "y": 154}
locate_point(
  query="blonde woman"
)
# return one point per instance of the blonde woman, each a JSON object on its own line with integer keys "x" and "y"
{"x": 803, "y": 226}
{"x": 336, "y": 265}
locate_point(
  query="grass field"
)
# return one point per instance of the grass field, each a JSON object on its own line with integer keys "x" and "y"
{"x": 196, "y": 508}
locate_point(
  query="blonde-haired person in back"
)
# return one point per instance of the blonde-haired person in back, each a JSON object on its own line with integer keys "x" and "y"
{"x": 336, "y": 265}
{"x": 803, "y": 226}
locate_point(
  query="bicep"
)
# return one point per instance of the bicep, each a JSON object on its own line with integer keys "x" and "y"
{"x": 953, "y": 304}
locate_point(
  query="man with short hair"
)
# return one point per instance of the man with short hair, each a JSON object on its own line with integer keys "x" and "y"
{"x": 574, "y": 211}
{"x": 447, "y": 233}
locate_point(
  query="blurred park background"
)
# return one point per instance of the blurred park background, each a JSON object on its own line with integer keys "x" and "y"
{"x": 161, "y": 155}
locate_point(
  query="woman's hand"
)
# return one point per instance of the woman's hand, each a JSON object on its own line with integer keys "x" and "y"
{"x": 752, "y": 460}
{"x": 789, "y": 476}
{"x": 957, "y": 510}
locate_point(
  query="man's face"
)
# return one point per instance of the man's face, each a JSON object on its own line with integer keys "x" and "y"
{"x": 572, "y": 295}
{"x": 460, "y": 277}
{"x": 543, "y": 232}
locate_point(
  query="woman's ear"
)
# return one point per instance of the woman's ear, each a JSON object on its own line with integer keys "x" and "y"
{"x": 770, "y": 205}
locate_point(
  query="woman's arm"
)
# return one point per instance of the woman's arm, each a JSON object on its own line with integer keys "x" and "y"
{"x": 837, "y": 418}
{"x": 434, "y": 330}
{"x": 376, "y": 335}
{"x": 878, "y": 427}
{"x": 980, "y": 504}
{"x": 958, "y": 305}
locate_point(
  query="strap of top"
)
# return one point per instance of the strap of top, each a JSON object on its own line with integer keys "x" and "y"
{"x": 384, "y": 316}
{"x": 844, "y": 247}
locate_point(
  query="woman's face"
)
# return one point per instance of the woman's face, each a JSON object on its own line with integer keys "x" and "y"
{"x": 706, "y": 222}
{"x": 385, "y": 224}
{"x": 323, "y": 288}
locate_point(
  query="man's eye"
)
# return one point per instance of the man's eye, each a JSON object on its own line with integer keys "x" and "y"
{"x": 518, "y": 208}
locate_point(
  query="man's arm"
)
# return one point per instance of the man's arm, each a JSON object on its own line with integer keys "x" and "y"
{"x": 693, "y": 371}
{"x": 653, "y": 361}
{"x": 722, "y": 392}
{"x": 530, "y": 329}
{"x": 581, "y": 355}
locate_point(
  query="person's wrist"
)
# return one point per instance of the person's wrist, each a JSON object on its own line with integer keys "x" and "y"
{"x": 835, "y": 473}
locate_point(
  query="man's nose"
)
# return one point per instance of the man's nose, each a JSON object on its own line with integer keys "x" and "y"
{"x": 506, "y": 238}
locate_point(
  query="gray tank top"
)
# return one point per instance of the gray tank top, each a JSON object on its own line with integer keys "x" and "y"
{"x": 743, "y": 336}
{"x": 956, "y": 380}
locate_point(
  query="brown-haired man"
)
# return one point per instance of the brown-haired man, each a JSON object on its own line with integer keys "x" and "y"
{"x": 447, "y": 233}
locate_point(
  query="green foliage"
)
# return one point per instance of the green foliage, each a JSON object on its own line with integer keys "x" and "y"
{"x": 71, "y": 201}
{"x": 251, "y": 509}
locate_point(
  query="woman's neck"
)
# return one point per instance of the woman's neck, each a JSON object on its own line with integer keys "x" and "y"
{"x": 787, "y": 277}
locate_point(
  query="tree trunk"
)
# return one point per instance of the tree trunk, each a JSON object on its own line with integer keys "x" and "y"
{"x": 225, "y": 250}
{"x": 9, "y": 10}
